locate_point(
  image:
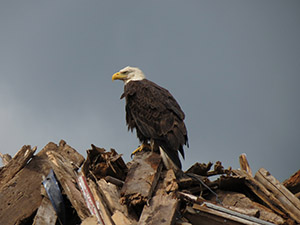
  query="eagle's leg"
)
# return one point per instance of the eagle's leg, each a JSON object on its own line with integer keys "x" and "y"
{"x": 144, "y": 145}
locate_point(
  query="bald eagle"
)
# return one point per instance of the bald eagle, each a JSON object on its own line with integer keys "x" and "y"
{"x": 155, "y": 114}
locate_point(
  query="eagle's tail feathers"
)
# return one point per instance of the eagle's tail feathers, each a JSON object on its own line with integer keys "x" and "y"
{"x": 170, "y": 159}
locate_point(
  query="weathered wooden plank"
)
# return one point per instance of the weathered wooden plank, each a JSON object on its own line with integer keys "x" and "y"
{"x": 218, "y": 212}
{"x": 70, "y": 154}
{"x": 65, "y": 174}
{"x": 101, "y": 204}
{"x": 240, "y": 203}
{"x": 111, "y": 195}
{"x": 21, "y": 196}
{"x": 161, "y": 210}
{"x": 210, "y": 217}
{"x": 268, "y": 215}
{"x": 162, "y": 207}
{"x": 290, "y": 203}
{"x": 262, "y": 193}
{"x": 46, "y": 214}
{"x": 16, "y": 164}
{"x": 142, "y": 178}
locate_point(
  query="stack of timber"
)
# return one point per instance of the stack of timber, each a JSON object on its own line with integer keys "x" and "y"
{"x": 58, "y": 186}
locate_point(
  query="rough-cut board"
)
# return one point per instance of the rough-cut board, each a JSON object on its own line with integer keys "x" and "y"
{"x": 66, "y": 176}
{"x": 162, "y": 207}
{"x": 46, "y": 214}
{"x": 16, "y": 164}
{"x": 21, "y": 196}
{"x": 142, "y": 178}
{"x": 290, "y": 203}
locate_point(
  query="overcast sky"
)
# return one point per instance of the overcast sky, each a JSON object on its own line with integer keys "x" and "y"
{"x": 232, "y": 65}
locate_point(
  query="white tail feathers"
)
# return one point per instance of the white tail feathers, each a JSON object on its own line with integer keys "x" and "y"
{"x": 169, "y": 164}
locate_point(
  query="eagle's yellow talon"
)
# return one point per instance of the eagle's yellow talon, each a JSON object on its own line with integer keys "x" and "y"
{"x": 140, "y": 148}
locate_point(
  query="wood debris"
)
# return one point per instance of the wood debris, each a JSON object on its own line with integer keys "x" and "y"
{"x": 293, "y": 184}
{"x": 102, "y": 189}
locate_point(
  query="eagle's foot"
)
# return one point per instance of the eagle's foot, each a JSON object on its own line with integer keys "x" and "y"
{"x": 140, "y": 148}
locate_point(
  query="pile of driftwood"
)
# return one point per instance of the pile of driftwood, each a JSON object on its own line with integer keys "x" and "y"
{"x": 58, "y": 186}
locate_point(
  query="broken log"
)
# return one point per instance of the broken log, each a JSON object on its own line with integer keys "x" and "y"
{"x": 162, "y": 207}
{"x": 141, "y": 179}
{"x": 16, "y": 164}
{"x": 290, "y": 203}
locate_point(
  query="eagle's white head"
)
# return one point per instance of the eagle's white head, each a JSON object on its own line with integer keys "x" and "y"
{"x": 129, "y": 74}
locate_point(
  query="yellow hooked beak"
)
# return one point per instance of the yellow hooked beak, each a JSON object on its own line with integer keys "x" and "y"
{"x": 118, "y": 76}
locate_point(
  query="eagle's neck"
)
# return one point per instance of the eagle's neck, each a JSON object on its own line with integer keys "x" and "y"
{"x": 133, "y": 79}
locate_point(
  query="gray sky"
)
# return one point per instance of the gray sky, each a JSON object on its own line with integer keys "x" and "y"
{"x": 232, "y": 65}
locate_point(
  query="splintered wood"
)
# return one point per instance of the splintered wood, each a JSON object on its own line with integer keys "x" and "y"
{"x": 100, "y": 163}
{"x": 108, "y": 192}
{"x": 141, "y": 179}
{"x": 290, "y": 203}
{"x": 16, "y": 164}
{"x": 20, "y": 196}
{"x": 162, "y": 207}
